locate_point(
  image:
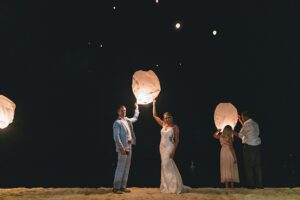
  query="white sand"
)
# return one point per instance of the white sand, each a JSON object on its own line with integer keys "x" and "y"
{"x": 148, "y": 194}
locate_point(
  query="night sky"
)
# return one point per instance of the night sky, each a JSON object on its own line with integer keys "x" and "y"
{"x": 68, "y": 65}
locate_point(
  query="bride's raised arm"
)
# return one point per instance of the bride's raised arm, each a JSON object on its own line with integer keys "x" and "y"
{"x": 157, "y": 119}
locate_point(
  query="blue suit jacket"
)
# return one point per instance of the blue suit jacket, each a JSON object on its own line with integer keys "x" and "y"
{"x": 120, "y": 133}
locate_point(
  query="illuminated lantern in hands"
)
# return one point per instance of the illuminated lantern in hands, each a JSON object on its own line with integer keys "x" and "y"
{"x": 225, "y": 114}
{"x": 145, "y": 86}
{"x": 7, "y": 111}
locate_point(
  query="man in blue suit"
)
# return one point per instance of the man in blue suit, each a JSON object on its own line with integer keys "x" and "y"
{"x": 124, "y": 138}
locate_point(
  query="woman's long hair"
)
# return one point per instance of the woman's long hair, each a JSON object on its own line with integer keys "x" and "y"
{"x": 227, "y": 134}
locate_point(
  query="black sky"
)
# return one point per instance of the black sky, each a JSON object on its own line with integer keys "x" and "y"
{"x": 67, "y": 87}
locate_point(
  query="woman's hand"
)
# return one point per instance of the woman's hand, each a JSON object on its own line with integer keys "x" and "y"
{"x": 217, "y": 134}
{"x": 172, "y": 154}
{"x": 157, "y": 119}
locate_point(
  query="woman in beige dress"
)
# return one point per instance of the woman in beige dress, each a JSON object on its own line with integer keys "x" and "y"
{"x": 228, "y": 161}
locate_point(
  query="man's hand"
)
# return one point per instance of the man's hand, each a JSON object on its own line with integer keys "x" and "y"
{"x": 235, "y": 133}
{"x": 122, "y": 151}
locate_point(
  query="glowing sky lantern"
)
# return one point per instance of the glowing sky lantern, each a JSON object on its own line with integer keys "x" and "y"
{"x": 7, "y": 111}
{"x": 225, "y": 114}
{"x": 145, "y": 86}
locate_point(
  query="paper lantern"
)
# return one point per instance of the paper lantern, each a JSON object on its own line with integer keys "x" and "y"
{"x": 7, "y": 111}
{"x": 145, "y": 86}
{"x": 225, "y": 114}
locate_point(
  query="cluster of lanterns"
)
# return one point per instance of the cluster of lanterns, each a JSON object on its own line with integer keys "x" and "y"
{"x": 146, "y": 87}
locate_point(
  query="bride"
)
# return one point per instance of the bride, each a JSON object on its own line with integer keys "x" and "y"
{"x": 171, "y": 181}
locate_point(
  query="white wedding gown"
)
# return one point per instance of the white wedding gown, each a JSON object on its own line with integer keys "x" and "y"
{"x": 171, "y": 181}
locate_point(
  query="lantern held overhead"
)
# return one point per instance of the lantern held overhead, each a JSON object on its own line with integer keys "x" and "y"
{"x": 225, "y": 114}
{"x": 7, "y": 111}
{"x": 145, "y": 86}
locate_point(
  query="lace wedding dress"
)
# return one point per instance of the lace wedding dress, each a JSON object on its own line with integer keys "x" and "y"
{"x": 171, "y": 181}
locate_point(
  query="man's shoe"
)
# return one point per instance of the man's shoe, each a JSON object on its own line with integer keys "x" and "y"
{"x": 125, "y": 190}
{"x": 116, "y": 191}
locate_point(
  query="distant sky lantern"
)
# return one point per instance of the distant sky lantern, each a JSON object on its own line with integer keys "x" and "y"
{"x": 177, "y": 25}
{"x": 145, "y": 86}
{"x": 7, "y": 111}
{"x": 225, "y": 114}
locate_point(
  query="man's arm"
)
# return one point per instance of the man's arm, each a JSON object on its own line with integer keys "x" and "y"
{"x": 136, "y": 114}
{"x": 244, "y": 130}
{"x": 236, "y": 134}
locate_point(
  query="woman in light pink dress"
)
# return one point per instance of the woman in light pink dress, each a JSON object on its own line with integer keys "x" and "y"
{"x": 228, "y": 161}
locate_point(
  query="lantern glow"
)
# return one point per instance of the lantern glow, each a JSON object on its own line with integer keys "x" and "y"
{"x": 7, "y": 111}
{"x": 145, "y": 86}
{"x": 225, "y": 114}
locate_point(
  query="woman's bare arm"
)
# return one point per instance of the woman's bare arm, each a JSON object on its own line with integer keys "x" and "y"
{"x": 216, "y": 134}
{"x": 157, "y": 119}
{"x": 176, "y": 140}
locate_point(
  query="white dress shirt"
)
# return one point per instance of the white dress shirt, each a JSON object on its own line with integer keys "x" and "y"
{"x": 250, "y": 133}
{"x": 125, "y": 123}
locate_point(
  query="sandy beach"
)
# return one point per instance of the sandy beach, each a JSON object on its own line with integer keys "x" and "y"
{"x": 148, "y": 194}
